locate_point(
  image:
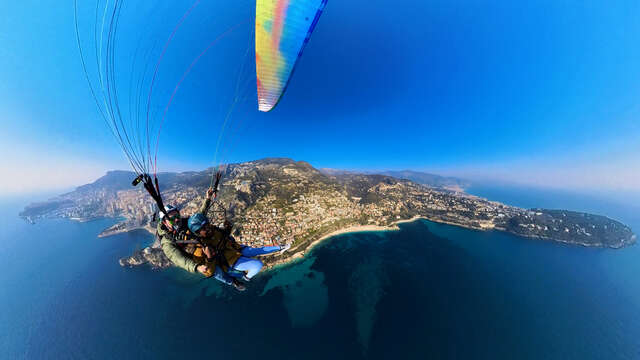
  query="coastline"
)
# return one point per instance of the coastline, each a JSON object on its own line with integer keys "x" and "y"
{"x": 120, "y": 228}
{"x": 301, "y": 253}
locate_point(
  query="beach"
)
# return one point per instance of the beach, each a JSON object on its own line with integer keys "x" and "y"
{"x": 300, "y": 253}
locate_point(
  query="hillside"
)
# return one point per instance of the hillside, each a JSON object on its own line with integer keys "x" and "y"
{"x": 285, "y": 201}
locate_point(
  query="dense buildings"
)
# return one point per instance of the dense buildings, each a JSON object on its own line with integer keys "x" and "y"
{"x": 277, "y": 201}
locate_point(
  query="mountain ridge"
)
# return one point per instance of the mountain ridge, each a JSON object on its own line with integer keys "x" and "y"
{"x": 424, "y": 178}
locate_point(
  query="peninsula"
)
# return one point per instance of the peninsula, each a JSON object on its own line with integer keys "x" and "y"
{"x": 277, "y": 201}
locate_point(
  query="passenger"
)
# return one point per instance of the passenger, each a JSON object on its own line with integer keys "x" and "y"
{"x": 184, "y": 249}
{"x": 221, "y": 248}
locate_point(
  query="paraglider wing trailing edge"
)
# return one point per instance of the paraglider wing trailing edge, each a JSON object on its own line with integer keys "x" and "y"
{"x": 283, "y": 28}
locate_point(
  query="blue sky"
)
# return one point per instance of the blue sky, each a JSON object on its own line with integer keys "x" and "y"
{"x": 540, "y": 92}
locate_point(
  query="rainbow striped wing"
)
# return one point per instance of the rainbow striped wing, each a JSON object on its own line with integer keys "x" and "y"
{"x": 283, "y": 28}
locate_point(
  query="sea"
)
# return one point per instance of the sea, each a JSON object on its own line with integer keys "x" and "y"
{"x": 427, "y": 291}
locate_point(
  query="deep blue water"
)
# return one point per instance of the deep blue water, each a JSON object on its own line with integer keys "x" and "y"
{"x": 426, "y": 291}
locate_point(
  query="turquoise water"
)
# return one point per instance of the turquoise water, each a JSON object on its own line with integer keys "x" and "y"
{"x": 426, "y": 291}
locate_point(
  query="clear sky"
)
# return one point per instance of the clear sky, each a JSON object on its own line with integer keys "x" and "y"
{"x": 537, "y": 92}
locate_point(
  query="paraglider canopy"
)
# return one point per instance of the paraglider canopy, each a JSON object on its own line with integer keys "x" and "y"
{"x": 283, "y": 28}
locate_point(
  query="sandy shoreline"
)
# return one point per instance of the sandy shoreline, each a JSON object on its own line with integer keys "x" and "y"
{"x": 300, "y": 254}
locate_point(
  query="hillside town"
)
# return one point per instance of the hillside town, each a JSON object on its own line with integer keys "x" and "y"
{"x": 280, "y": 201}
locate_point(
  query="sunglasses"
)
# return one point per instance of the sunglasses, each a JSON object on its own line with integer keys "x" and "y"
{"x": 172, "y": 216}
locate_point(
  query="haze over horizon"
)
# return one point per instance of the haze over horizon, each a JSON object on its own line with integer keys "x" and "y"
{"x": 541, "y": 94}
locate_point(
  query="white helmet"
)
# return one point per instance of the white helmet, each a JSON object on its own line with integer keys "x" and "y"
{"x": 168, "y": 209}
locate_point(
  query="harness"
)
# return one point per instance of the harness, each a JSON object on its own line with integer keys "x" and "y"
{"x": 219, "y": 249}
{"x": 186, "y": 237}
